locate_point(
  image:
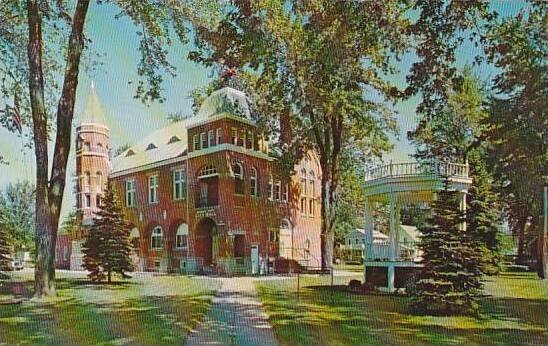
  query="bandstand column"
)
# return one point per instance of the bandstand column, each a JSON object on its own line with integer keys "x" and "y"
{"x": 369, "y": 225}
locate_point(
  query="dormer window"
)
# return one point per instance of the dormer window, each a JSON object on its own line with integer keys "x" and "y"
{"x": 173, "y": 139}
{"x": 130, "y": 153}
{"x": 151, "y": 146}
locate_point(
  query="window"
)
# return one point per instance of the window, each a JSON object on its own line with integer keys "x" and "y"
{"x": 100, "y": 148}
{"x": 131, "y": 200}
{"x": 253, "y": 182}
{"x": 156, "y": 238}
{"x": 173, "y": 139}
{"x": 203, "y": 140}
{"x": 311, "y": 206}
{"x": 303, "y": 182}
{"x": 218, "y": 133}
{"x": 181, "y": 238}
{"x": 277, "y": 190}
{"x": 241, "y": 142}
{"x": 87, "y": 146}
{"x": 274, "y": 235}
{"x": 311, "y": 185}
{"x": 87, "y": 203}
{"x": 179, "y": 184}
{"x": 234, "y": 135}
{"x": 97, "y": 201}
{"x": 87, "y": 179}
{"x": 250, "y": 141}
{"x": 153, "y": 189}
{"x": 210, "y": 138}
{"x": 151, "y": 146}
{"x": 99, "y": 177}
{"x": 303, "y": 205}
{"x": 195, "y": 142}
{"x": 270, "y": 189}
{"x": 65, "y": 253}
{"x": 238, "y": 173}
{"x": 285, "y": 195}
{"x": 208, "y": 171}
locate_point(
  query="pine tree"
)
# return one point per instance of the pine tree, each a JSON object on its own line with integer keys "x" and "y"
{"x": 5, "y": 250}
{"x": 483, "y": 214}
{"x": 450, "y": 280}
{"x": 107, "y": 248}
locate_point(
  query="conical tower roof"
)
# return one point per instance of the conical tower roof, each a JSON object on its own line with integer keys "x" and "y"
{"x": 93, "y": 112}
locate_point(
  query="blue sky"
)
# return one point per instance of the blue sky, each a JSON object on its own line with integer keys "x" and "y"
{"x": 129, "y": 120}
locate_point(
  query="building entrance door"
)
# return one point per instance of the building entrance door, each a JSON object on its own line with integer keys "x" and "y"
{"x": 255, "y": 259}
{"x": 239, "y": 245}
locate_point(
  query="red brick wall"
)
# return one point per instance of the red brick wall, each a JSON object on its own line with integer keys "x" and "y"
{"x": 63, "y": 241}
{"x": 234, "y": 214}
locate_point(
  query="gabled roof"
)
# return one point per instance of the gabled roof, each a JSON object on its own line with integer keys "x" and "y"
{"x": 161, "y": 145}
{"x": 93, "y": 112}
{"x": 361, "y": 233}
{"x": 163, "y": 151}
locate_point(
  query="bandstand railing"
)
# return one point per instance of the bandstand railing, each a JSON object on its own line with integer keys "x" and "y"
{"x": 382, "y": 251}
{"x": 439, "y": 169}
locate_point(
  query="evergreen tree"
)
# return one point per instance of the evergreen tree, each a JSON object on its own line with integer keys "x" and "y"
{"x": 483, "y": 214}
{"x": 107, "y": 248}
{"x": 450, "y": 281}
{"x": 5, "y": 250}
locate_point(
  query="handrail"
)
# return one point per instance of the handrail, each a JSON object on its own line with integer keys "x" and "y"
{"x": 438, "y": 169}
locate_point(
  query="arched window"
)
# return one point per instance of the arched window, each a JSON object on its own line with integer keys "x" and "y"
{"x": 303, "y": 192}
{"x": 285, "y": 224}
{"x": 157, "y": 238}
{"x": 181, "y": 238}
{"x": 99, "y": 176}
{"x": 87, "y": 178}
{"x": 87, "y": 146}
{"x": 311, "y": 184}
{"x": 238, "y": 173}
{"x": 253, "y": 181}
{"x": 100, "y": 148}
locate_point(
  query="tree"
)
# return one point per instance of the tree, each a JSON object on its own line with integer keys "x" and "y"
{"x": 70, "y": 223}
{"x": 518, "y": 46}
{"x": 17, "y": 214}
{"x": 107, "y": 248}
{"x": 483, "y": 215}
{"x": 450, "y": 279}
{"x": 53, "y": 33}
{"x": 457, "y": 133}
{"x": 5, "y": 251}
{"x": 321, "y": 69}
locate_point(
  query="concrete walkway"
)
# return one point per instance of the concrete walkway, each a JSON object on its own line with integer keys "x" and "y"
{"x": 236, "y": 317}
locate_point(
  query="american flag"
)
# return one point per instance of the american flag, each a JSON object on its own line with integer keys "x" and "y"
{"x": 16, "y": 114}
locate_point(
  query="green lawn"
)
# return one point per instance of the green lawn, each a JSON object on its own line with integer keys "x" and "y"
{"x": 516, "y": 313}
{"x": 157, "y": 310}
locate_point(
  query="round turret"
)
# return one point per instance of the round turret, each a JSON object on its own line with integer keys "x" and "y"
{"x": 92, "y": 157}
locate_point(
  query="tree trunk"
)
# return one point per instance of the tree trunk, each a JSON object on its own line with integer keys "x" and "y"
{"x": 328, "y": 218}
{"x": 542, "y": 255}
{"x": 49, "y": 196}
{"x": 521, "y": 259}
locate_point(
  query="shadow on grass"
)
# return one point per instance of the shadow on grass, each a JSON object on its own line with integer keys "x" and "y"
{"x": 131, "y": 318}
{"x": 338, "y": 317}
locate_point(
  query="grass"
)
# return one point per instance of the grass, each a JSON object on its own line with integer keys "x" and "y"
{"x": 156, "y": 310}
{"x": 514, "y": 313}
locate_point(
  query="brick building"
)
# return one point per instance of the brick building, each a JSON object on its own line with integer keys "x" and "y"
{"x": 203, "y": 194}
